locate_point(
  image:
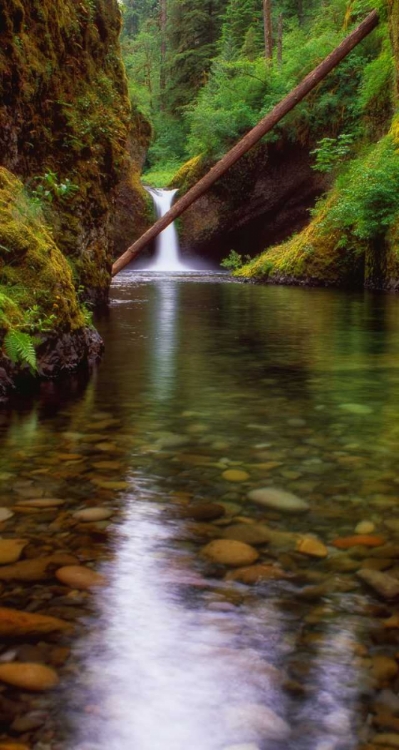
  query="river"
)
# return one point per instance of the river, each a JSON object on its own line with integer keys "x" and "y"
{"x": 208, "y": 391}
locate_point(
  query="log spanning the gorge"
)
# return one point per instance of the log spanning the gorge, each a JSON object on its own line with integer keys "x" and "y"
{"x": 245, "y": 144}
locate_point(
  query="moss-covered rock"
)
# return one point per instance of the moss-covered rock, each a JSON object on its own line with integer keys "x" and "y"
{"x": 64, "y": 108}
{"x": 37, "y": 293}
{"x": 353, "y": 237}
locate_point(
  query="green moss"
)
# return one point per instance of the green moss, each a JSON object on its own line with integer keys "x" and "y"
{"x": 63, "y": 95}
{"x": 33, "y": 271}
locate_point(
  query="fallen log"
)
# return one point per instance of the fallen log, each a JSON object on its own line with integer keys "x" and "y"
{"x": 245, "y": 144}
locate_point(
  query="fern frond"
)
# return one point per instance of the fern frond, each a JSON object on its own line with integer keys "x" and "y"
{"x": 19, "y": 348}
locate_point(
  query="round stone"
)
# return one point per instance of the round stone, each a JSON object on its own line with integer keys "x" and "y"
{"x": 311, "y": 547}
{"x": 11, "y": 549}
{"x": 35, "y": 677}
{"x": 93, "y": 514}
{"x": 365, "y": 527}
{"x": 5, "y": 514}
{"x": 272, "y": 497}
{"x": 80, "y": 577}
{"x": 229, "y": 552}
{"x": 235, "y": 475}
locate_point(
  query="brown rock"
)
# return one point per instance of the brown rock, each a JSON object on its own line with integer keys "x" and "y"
{"x": 356, "y": 540}
{"x": 202, "y": 512}
{"x": 10, "y": 745}
{"x": 383, "y": 668}
{"x": 11, "y": 549}
{"x": 15, "y": 623}
{"x": 40, "y": 569}
{"x": 253, "y": 574}
{"x": 229, "y": 552}
{"x": 235, "y": 475}
{"x": 311, "y": 547}
{"x": 80, "y": 577}
{"x": 384, "y": 585}
{"x": 254, "y": 533}
{"x": 35, "y": 677}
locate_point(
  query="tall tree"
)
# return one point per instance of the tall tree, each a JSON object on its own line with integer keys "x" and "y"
{"x": 193, "y": 30}
{"x": 268, "y": 29}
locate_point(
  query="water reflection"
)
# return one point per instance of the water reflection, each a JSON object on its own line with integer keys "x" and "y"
{"x": 300, "y": 391}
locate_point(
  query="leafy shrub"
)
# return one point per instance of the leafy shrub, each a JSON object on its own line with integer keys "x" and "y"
{"x": 234, "y": 261}
{"x": 330, "y": 151}
{"x": 20, "y": 348}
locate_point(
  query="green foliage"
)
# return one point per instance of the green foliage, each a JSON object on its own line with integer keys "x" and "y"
{"x": 330, "y": 151}
{"x": 234, "y": 261}
{"x": 49, "y": 187}
{"x": 369, "y": 193}
{"x": 19, "y": 347}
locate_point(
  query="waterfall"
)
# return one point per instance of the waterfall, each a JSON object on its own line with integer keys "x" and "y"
{"x": 167, "y": 243}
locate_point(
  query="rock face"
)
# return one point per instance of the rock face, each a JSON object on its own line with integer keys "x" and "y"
{"x": 260, "y": 201}
{"x": 64, "y": 107}
{"x": 68, "y": 131}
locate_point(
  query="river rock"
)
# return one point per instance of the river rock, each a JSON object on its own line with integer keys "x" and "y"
{"x": 11, "y": 549}
{"x": 311, "y": 547}
{"x": 272, "y": 497}
{"x": 235, "y": 475}
{"x": 106, "y": 484}
{"x": 383, "y": 668}
{"x": 202, "y": 512}
{"x": 93, "y": 514}
{"x": 253, "y": 721}
{"x": 5, "y": 514}
{"x": 365, "y": 527}
{"x": 363, "y": 540}
{"x": 15, "y": 623}
{"x": 39, "y": 569}
{"x": 250, "y": 533}
{"x": 10, "y": 745}
{"x": 35, "y": 677}
{"x": 388, "y": 740}
{"x": 253, "y": 574}
{"x": 382, "y": 583}
{"x": 80, "y": 577}
{"x": 229, "y": 552}
{"x": 41, "y": 502}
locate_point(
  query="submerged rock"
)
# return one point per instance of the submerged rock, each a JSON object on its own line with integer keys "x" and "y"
{"x": 80, "y": 577}
{"x": 254, "y": 720}
{"x": 11, "y": 549}
{"x": 229, "y": 552}
{"x": 382, "y": 583}
{"x": 272, "y": 497}
{"x": 15, "y": 623}
{"x": 35, "y": 677}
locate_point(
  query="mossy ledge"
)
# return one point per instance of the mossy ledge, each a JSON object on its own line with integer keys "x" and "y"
{"x": 37, "y": 293}
{"x": 353, "y": 237}
{"x": 64, "y": 115}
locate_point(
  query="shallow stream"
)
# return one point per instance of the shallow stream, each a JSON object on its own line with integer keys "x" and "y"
{"x": 208, "y": 391}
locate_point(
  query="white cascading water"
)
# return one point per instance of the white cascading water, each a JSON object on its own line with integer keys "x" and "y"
{"x": 167, "y": 243}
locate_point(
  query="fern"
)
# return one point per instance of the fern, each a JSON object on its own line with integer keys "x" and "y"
{"x": 20, "y": 349}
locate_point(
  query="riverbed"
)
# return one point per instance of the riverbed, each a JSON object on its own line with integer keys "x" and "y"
{"x": 230, "y": 475}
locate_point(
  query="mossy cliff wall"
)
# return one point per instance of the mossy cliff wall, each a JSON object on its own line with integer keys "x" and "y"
{"x": 64, "y": 108}
{"x": 70, "y": 146}
{"x": 353, "y": 237}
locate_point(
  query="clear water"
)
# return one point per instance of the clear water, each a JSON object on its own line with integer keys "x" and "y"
{"x": 298, "y": 388}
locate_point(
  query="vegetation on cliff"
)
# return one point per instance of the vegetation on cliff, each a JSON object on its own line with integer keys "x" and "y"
{"x": 352, "y": 237}
{"x": 69, "y": 133}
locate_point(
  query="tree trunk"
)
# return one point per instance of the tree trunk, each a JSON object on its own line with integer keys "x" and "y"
{"x": 268, "y": 31}
{"x": 162, "y": 80}
{"x": 280, "y": 41}
{"x": 249, "y": 140}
